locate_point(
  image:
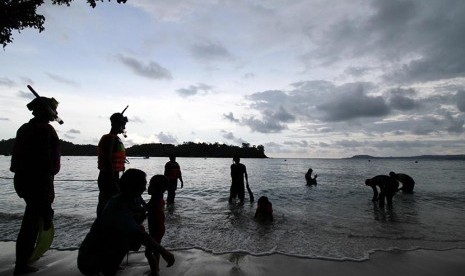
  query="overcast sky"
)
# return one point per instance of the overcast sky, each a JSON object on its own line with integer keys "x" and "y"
{"x": 304, "y": 78}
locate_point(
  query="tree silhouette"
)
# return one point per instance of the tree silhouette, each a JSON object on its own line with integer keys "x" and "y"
{"x": 19, "y": 15}
{"x": 186, "y": 149}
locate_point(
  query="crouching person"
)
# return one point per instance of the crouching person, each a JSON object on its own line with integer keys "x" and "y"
{"x": 118, "y": 230}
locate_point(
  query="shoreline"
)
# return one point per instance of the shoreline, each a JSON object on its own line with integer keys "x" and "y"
{"x": 198, "y": 262}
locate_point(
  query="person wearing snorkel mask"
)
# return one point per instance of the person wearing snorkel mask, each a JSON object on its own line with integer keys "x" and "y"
{"x": 35, "y": 162}
{"x": 111, "y": 160}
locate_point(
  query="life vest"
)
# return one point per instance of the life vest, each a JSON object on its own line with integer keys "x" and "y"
{"x": 118, "y": 155}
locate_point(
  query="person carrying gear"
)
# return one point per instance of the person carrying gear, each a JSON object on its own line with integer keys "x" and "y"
{"x": 35, "y": 161}
{"x": 111, "y": 160}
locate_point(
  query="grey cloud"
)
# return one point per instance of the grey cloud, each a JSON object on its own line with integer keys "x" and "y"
{"x": 230, "y": 136}
{"x": 207, "y": 51}
{"x": 74, "y": 131}
{"x": 454, "y": 125}
{"x": 281, "y": 115}
{"x": 27, "y": 80}
{"x": 152, "y": 70}
{"x": 69, "y": 136}
{"x": 399, "y": 99}
{"x": 231, "y": 117}
{"x": 26, "y": 95}
{"x": 352, "y": 105}
{"x": 272, "y": 122}
{"x": 267, "y": 99}
{"x": 248, "y": 76}
{"x": 357, "y": 71}
{"x": 273, "y": 147}
{"x": 263, "y": 126}
{"x": 460, "y": 100}
{"x": 413, "y": 40}
{"x": 194, "y": 90}
{"x": 302, "y": 143}
{"x": 62, "y": 79}
{"x": 166, "y": 138}
{"x": 6, "y": 82}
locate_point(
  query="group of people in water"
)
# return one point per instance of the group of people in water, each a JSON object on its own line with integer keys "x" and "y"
{"x": 389, "y": 185}
{"x": 121, "y": 210}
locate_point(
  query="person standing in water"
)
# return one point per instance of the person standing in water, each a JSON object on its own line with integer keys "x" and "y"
{"x": 387, "y": 186}
{"x": 111, "y": 160}
{"x": 35, "y": 162}
{"x": 407, "y": 182}
{"x": 308, "y": 177}
{"x": 238, "y": 172}
{"x": 173, "y": 173}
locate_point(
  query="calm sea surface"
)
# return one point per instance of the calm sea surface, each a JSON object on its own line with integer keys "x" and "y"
{"x": 335, "y": 219}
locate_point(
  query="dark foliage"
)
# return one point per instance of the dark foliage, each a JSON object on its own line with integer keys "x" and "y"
{"x": 188, "y": 149}
{"x": 191, "y": 149}
{"x": 21, "y": 14}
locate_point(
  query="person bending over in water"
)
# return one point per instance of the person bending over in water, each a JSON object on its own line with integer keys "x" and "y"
{"x": 407, "y": 182}
{"x": 264, "y": 209}
{"x": 308, "y": 176}
{"x": 156, "y": 218}
{"x": 118, "y": 230}
{"x": 387, "y": 186}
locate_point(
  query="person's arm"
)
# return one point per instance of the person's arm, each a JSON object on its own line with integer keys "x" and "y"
{"x": 165, "y": 173}
{"x": 375, "y": 193}
{"x": 180, "y": 177}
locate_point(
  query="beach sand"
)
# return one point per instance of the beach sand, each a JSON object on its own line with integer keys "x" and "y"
{"x": 197, "y": 262}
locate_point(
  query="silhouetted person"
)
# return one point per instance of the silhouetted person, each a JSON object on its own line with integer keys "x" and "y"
{"x": 264, "y": 210}
{"x": 308, "y": 177}
{"x": 407, "y": 182}
{"x": 118, "y": 230}
{"x": 173, "y": 173}
{"x": 387, "y": 186}
{"x": 238, "y": 172}
{"x": 35, "y": 161}
{"x": 156, "y": 217}
{"x": 111, "y": 160}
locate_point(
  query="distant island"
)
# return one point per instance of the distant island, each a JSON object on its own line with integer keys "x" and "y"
{"x": 186, "y": 149}
{"x": 419, "y": 157}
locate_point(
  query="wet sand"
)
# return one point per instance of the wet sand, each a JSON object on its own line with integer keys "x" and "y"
{"x": 197, "y": 262}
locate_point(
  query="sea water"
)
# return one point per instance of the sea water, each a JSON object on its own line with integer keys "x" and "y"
{"x": 334, "y": 219}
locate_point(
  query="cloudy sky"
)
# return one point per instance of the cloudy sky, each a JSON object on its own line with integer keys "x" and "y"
{"x": 310, "y": 78}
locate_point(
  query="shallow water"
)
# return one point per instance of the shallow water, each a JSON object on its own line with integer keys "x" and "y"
{"x": 335, "y": 219}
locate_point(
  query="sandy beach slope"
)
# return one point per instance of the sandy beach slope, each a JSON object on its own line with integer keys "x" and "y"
{"x": 197, "y": 262}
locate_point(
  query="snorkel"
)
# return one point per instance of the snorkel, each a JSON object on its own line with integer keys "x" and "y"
{"x": 47, "y": 105}
{"x": 124, "y": 120}
{"x": 118, "y": 122}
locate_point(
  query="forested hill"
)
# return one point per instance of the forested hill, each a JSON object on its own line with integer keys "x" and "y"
{"x": 418, "y": 157}
{"x": 187, "y": 149}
